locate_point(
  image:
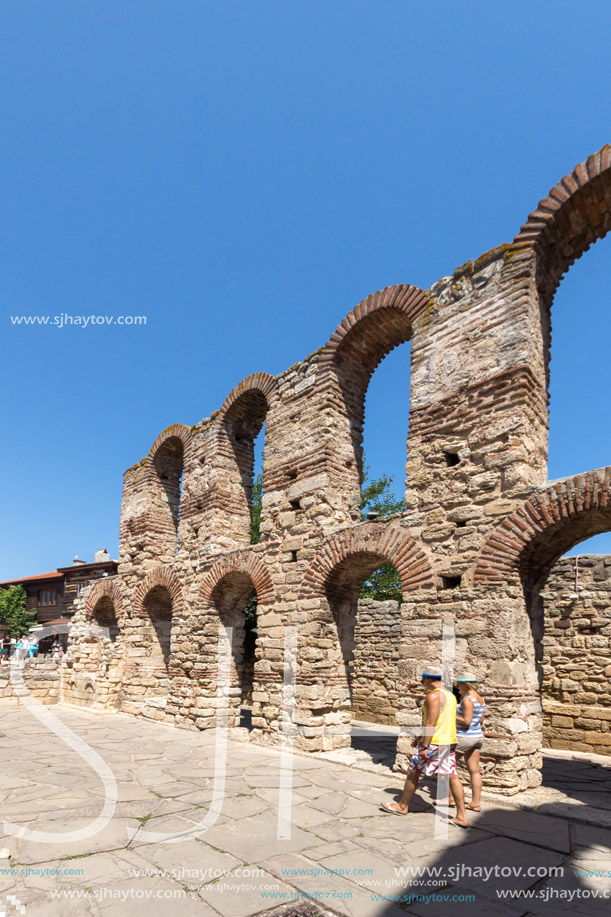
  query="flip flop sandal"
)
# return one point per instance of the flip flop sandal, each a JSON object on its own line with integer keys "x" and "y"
{"x": 472, "y": 808}
{"x": 450, "y": 821}
{"x": 385, "y": 806}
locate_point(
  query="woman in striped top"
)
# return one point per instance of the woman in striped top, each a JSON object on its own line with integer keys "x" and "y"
{"x": 469, "y": 719}
{"x": 469, "y": 735}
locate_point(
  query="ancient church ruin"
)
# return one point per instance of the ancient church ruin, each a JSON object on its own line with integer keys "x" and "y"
{"x": 481, "y": 530}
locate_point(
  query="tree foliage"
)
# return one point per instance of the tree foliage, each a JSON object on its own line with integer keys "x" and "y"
{"x": 14, "y": 612}
{"x": 255, "y": 510}
{"x": 377, "y": 497}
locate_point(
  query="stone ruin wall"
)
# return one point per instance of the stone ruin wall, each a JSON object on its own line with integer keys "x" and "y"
{"x": 41, "y": 678}
{"x": 481, "y": 530}
{"x": 576, "y": 655}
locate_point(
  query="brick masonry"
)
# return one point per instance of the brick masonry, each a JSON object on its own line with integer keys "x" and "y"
{"x": 481, "y": 530}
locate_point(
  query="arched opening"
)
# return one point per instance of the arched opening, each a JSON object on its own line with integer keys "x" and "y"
{"x": 168, "y": 463}
{"x": 243, "y": 440}
{"x": 579, "y": 375}
{"x": 96, "y": 662}
{"x": 576, "y": 654}
{"x": 158, "y": 608}
{"x": 569, "y": 603}
{"x": 256, "y": 492}
{"x": 385, "y": 428}
{"x": 364, "y": 626}
{"x": 366, "y": 336}
{"x": 234, "y": 599}
{"x": 104, "y": 615}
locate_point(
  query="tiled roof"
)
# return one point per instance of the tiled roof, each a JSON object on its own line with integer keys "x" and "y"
{"x": 55, "y": 574}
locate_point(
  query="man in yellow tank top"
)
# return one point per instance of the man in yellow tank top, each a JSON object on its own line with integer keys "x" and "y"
{"x": 435, "y": 749}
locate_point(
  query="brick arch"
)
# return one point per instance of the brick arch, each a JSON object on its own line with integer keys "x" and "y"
{"x": 529, "y": 541}
{"x": 160, "y": 576}
{"x": 260, "y": 383}
{"x": 376, "y": 326}
{"x": 355, "y": 553}
{"x": 574, "y": 215}
{"x": 247, "y": 564}
{"x": 174, "y": 431}
{"x": 106, "y": 588}
{"x": 233, "y": 435}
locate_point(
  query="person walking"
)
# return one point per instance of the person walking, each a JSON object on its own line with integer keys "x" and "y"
{"x": 6, "y": 648}
{"x": 435, "y": 750}
{"x": 469, "y": 719}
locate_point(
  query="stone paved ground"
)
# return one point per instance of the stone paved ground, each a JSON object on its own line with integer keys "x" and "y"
{"x": 343, "y": 856}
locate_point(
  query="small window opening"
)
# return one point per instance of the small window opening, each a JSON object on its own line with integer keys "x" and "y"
{"x": 452, "y": 459}
{"x": 294, "y": 556}
{"x": 292, "y": 475}
{"x": 450, "y": 582}
{"x": 461, "y": 524}
{"x": 295, "y": 504}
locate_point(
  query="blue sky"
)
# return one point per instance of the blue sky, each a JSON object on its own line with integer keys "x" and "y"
{"x": 243, "y": 174}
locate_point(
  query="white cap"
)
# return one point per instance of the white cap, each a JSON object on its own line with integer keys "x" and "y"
{"x": 431, "y": 671}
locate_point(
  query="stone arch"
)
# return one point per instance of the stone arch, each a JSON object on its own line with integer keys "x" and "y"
{"x": 375, "y": 326}
{"x": 260, "y": 383}
{"x": 519, "y": 558}
{"x": 165, "y": 465}
{"x": 246, "y": 563}
{"x": 351, "y": 652}
{"x": 149, "y": 670}
{"x": 574, "y": 215}
{"x": 97, "y": 664}
{"x": 175, "y": 431}
{"x": 224, "y": 594}
{"x": 240, "y": 420}
{"x": 528, "y": 541}
{"x": 160, "y": 576}
{"x": 109, "y": 590}
{"x": 375, "y": 544}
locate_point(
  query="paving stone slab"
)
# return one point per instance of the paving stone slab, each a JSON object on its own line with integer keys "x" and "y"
{"x": 253, "y": 838}
{"x": 331, "y": 891}
{"x": 591, "y": 836}
{"x": 236, "y": 895}
{"x": 113, "y": 837}
{"x": 191, "y": 863}
{"x": 529, "y": 827}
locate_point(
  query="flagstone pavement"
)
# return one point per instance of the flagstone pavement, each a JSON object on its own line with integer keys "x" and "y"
{"x": 235, "y": 852}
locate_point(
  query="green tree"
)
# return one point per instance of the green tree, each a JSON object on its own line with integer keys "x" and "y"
{"x": 255, "y": 510}
{"x": 14, "y": 612}
{"x": 377, "y": 497}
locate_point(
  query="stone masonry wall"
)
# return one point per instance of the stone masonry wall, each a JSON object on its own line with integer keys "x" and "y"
{"x": 481, "y": 529}
{"x": 576, "y": 657}
{"x": 375, "y": 670}
{"x": 40, "y": 676}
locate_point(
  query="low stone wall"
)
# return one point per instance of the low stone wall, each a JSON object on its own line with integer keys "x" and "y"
{"x": 377, "y": 635}
{"x": 576, "y": 689}
{"x": 41, "y": 677}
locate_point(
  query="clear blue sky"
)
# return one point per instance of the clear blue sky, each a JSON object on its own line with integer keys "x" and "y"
{"x": 243, "y": 174}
